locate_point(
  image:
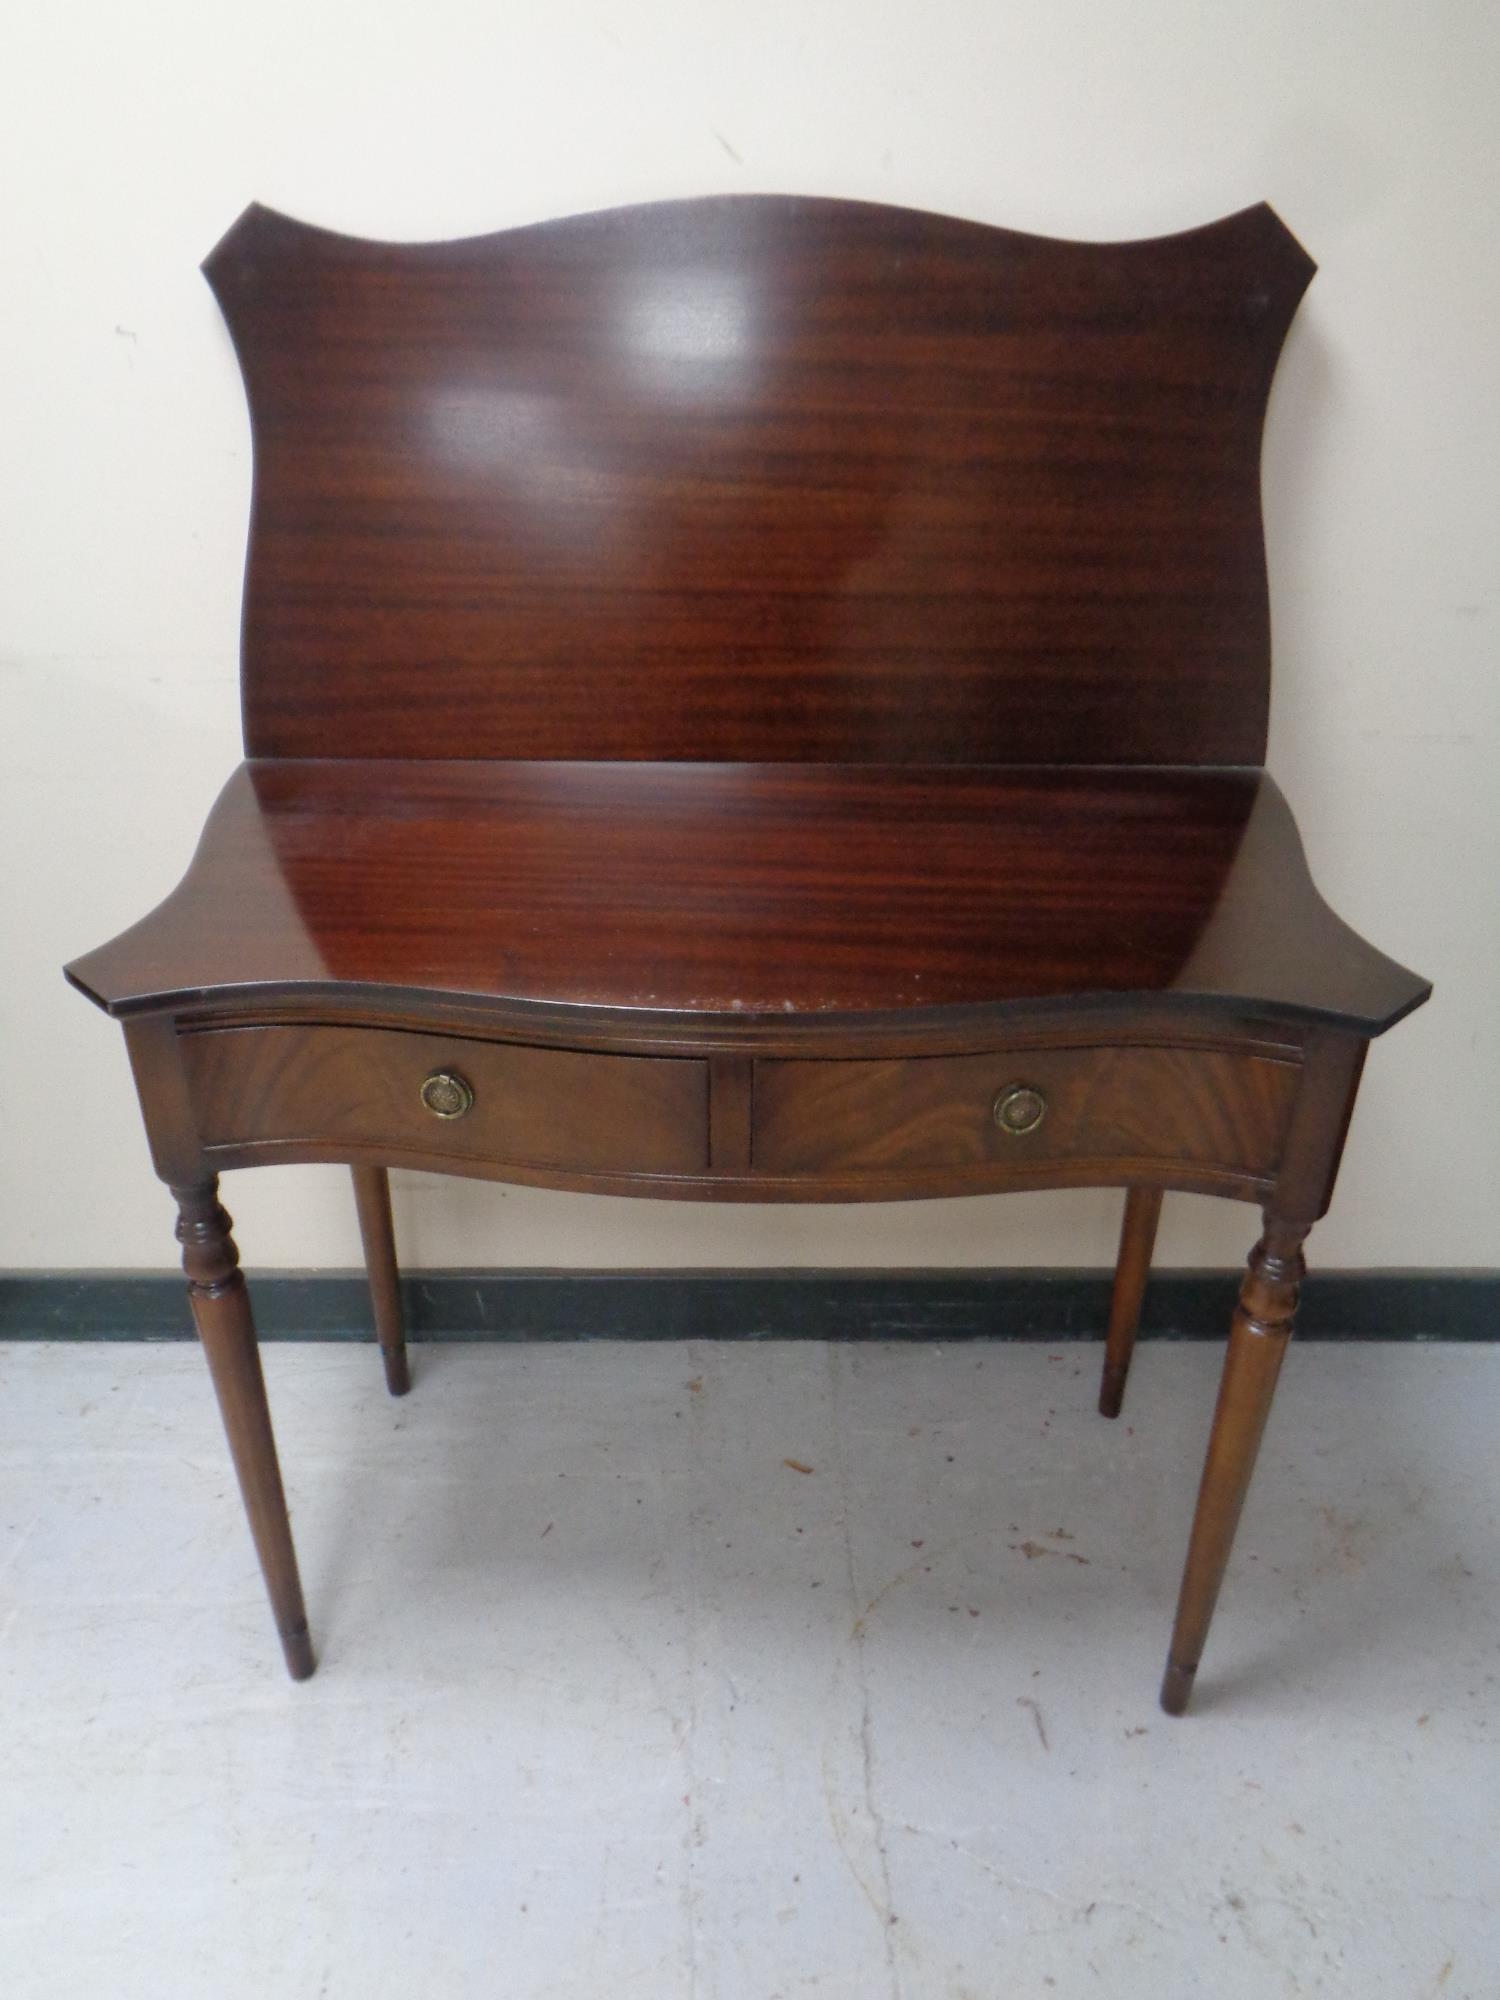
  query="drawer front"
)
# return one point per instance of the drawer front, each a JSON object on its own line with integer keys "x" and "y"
{"x": 552, "y": 1108}
{"x": 1202, "y": 1108}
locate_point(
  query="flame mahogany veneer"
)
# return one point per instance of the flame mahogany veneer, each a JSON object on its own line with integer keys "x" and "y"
{"x": 756, "y": 699}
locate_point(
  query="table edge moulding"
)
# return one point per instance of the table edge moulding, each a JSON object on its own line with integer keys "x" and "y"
{"x": 756, "y": 699}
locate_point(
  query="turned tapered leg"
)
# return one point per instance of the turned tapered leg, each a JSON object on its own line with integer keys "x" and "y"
{"x": 221, "y": 1309}
{"x": 372, "y": 1197}
{"x": 1258, "y": 1338}
{"x": 1137, "y": 1240}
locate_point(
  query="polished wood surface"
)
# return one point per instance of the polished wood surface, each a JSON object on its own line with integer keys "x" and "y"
{"x": 605, "y": 898}
{"x": 1132, "y": 1269}
{"x": 764, "y": 1139}
{"x": 377, "y": 1229}
{"x": 1201, "y": 1109}
{"x": 1261, "y": 1327}
{"x": 1258, "y": 1337}
{"x": 363, "y": 1087}
{"x": 756, "y": 699}
{"x": 758, "y": 478}
{"x": 226, "y": 1329}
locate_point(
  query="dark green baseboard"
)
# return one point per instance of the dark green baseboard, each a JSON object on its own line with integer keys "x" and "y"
{"x": 753, "y": 1305}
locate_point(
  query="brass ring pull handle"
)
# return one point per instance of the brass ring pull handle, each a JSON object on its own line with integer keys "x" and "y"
{"x": 446, "y": 1094}
{"x": 1019, "y": 1109}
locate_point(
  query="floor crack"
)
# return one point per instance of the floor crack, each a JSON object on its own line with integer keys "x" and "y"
{"x": 690, "y": 1734}
{"x": 1020, "y": 1886}
{"x": 880, "y": 1901}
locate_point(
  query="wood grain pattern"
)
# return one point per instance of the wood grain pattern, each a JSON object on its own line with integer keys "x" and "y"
{"x": 740, "y": 683}
{"x": 715, "y": 1185}
{"x": 731, "y": 1089}
{"x": 1126, "y": 1106}
{"x": 360, "y": 1088}
{"x": 1258, "y": 1337}
{"x": 763, "y": 1130}
{"x": 377, "y": 1229}
{"x": 1259, "y": 1332}
{"x": 758, "y": 478}
{"x": 1132, "y": 1269}
{"x": 226, "y": 1328}
{"x": 598, "y": 901}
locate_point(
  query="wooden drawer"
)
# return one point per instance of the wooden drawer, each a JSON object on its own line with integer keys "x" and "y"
{"x": 548, "y": 1108}
{"x": 1201, "y": 1108}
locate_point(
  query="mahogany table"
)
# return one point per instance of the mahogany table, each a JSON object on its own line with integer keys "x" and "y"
{"x": 760, "y": 699}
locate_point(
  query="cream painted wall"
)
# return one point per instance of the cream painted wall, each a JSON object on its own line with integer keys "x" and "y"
{"x": 132, "y": 134}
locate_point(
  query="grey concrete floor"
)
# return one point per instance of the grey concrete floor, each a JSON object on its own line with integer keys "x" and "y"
{"x": 708, "y": 1672}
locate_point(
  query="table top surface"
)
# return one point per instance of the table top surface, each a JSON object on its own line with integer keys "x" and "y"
{"x": 750, "y": 893}
{"x": 755, "y": 613}
{"x": 758, "y": 478}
